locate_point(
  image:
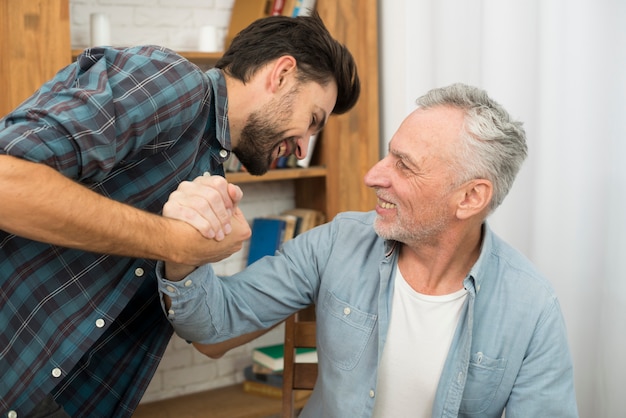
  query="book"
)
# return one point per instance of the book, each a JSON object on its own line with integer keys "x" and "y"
{"x": 270, "y": 391}
{"x": 292, "y": 161}
{"x": 272, "y": 356}
{"x": 272, "y": 378}
{"x": 309, "y": 218}
{"x": 306, "y": 161}
{"x": 267, "y": 236}
{"x": 295, "y": 8}
{"x": 258, "y": 369}
{"x": 281, "y": 162}
{"x": 277, "y": 7}
{"x": 304, "y": 8}
{"x": 264, "y": 389}
{"x": 291, "y": 222}
{"x": 232, "y": 165}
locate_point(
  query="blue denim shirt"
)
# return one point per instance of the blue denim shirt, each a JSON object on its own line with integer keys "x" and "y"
{"x": 509, "y": 351}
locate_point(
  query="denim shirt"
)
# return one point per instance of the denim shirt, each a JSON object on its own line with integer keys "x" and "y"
{"x": 510, "y": 347}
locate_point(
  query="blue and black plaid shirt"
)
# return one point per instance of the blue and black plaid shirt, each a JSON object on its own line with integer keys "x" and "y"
{"x": 130, "y": 124}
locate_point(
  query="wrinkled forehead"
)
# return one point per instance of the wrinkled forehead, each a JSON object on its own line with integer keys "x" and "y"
{"x": 436, "y": 129}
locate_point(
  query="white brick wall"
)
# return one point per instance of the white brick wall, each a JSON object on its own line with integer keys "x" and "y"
{"x": 176, "y": 24}
{"x": 172, "y": 23}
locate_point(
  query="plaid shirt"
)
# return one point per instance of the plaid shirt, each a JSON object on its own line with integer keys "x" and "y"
{"x": 88, "y": 328}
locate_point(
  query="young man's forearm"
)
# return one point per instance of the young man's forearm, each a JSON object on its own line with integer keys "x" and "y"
{"x": 41, "y": 204}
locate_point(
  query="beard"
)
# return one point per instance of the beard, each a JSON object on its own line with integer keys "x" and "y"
{"x": 262, "y": 133}
{"x": 256, "y": 145}
{"x": 423, "y": 230}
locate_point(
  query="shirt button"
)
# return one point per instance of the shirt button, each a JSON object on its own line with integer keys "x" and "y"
{"x": 346, "y": 311}
{"x": 188, "y": 283}
{"x": 139, "y": 272}
{"x": 11, "y": 414}
{"x": 56, "y": 372}
{"x": 170, "y": 289}
{"x": 171, "y": 312}
{"x": 223, "y": 153}
{"x": 372, "y": 393}
{"x": 99, "y": 322}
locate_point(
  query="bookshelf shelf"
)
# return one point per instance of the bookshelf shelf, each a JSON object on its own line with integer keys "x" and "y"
{"x": 277, "y": 175}
{"x": 201, "y": 58}
{"x": 197, "y": 57}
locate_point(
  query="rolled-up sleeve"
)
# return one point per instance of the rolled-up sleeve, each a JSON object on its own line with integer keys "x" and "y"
{"x": 110, "y": 107}
{"x": 189, "y": 312}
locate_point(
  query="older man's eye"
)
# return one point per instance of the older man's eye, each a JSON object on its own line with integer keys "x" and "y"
{"x": 400, "y": 164}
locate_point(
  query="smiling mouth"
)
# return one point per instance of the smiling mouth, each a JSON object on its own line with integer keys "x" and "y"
{"x": 386, "y": 205}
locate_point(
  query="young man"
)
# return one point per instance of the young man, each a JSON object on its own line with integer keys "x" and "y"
{"x": 422, "y": 310}
{"x": 86, "y": 165}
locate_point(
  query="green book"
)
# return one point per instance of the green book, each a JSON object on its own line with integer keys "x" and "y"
{"x": 272, "y": 356}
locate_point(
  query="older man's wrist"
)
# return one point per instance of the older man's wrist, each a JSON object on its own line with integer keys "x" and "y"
{"x": 176, "y": 272}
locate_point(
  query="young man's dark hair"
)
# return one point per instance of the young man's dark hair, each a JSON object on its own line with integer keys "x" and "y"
{"x": 320, "y": 58}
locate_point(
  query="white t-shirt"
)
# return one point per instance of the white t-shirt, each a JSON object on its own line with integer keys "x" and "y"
{"x": 421, "y": 329}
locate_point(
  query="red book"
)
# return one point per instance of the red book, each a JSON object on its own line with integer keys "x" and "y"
{"x": 277, "y": 8}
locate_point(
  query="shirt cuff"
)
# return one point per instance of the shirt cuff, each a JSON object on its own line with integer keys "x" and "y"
{"x": 188, "y": 313}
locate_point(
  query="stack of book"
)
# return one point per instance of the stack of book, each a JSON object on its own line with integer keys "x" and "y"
{"x": 269, "y": 232}
{"x": 265, "y": 375}
{"x": 270, "y": 358}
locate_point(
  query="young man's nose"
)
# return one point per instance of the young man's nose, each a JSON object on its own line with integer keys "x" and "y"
{"x": 302, "y": 148}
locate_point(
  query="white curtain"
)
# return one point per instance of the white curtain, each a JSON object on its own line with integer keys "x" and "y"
{"x": 560, "y": 66}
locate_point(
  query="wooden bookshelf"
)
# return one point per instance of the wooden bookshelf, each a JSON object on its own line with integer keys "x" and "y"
{"x": 350, "y": 142}
{"x": 35, "y": 44}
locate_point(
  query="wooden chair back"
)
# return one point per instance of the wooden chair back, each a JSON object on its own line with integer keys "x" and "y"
{"x": 299, "y": 332}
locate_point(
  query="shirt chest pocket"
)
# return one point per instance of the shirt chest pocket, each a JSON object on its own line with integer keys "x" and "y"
{"x": 344, "y": 331}
{"x": 484, "y": 376}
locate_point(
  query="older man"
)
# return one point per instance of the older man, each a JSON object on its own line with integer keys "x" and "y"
{"x": 422, "y": 310}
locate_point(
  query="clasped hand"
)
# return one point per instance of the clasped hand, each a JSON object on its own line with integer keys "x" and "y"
{"x": 215, "y": 226}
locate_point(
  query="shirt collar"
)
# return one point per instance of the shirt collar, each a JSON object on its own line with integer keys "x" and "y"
{"x": 220, "y": 107}
{"x": 474, "y": 277}
{"x": 390, "y": 247}
{"x": 478, "y": 269}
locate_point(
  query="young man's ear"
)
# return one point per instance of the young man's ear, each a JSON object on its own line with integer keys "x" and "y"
{"x": 475, "y": 197}
{"x": 282, "y": 71}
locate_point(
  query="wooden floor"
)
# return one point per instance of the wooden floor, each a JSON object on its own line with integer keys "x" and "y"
{"x": 227, "y": 402}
